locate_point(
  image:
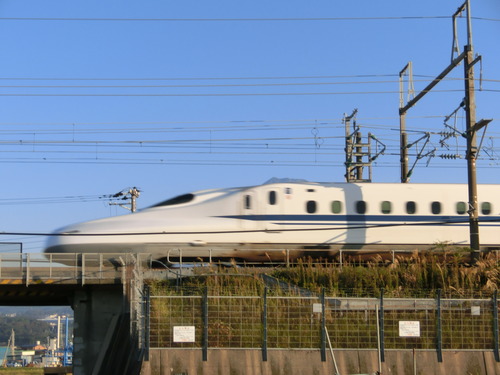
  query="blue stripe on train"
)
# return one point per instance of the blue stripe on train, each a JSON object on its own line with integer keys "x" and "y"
{"x": 346, "y": 219}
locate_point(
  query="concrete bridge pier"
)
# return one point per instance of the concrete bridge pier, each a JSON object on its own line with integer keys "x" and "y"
{"x": 99, "y": 313}
{"x": 107, "y": 295}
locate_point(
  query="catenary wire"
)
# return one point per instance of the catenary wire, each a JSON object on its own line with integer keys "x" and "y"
{"x": 256, "y": 19}
{"x": 234, "y": 84}
{"x": 266, "y": 19}
{"x": 219, "y": 94}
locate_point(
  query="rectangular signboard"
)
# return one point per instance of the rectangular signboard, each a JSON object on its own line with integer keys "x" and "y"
{"x": 409, "y": 328}
{"x": 184, "y": 334}
{"x": 317, "y": 308}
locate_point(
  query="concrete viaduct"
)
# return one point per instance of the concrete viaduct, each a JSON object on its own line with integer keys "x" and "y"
{"x": 105, "y": 293}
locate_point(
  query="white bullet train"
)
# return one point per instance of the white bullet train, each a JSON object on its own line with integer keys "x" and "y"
{"x": 305, "y": 218}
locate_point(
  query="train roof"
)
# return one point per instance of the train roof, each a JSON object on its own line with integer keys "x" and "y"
{"x": 203, "y": 195}
{"x": 276, "y": 180}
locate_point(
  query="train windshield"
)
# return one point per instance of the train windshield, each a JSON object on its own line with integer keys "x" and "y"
{"x": 185, "y": 198}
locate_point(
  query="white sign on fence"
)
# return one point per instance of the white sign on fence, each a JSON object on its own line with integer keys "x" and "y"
{"x": 184, "y": 334}
{"x": 317, "y": 308}
{"x": 409, "y": 328}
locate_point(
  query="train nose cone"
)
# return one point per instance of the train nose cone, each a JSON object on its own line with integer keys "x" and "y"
{"x": 60, "y": 240}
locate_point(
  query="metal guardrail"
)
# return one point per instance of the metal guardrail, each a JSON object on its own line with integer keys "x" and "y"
{"x": 40, "y": 268}
{"x": 337, "y": 257}
{"x": 84, "y": 267}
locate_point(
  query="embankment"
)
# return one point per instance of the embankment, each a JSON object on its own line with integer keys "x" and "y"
{"x": 299, "y": 362}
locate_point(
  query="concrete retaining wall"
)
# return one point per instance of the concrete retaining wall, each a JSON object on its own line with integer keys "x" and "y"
{"x": 300, "y": 362}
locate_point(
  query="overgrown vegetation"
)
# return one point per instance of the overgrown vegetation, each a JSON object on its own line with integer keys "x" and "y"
{"x": 27, "y": 324}
{"x": 413, "y": 275}
{"x": 27, "y": 330}
{"x": 21, "y": 371}
{"x": 416, "y": 275}
{"x": 232, "y": 300}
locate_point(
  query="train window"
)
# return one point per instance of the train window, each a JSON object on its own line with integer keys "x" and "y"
{"x": 361, "y": 207}
{"x": 288, "y": 190}
{"x": 386, "y": 207}
{"x": 176, "y": 200}
{"x": 272, "y": 197}
{"x": 411, "y": 207}
{"x": 486, "y": 208}
{"x": 461, "y": 208}
{"x": 248, "y": 202}
{"x": 311, "y": 207}
{"x": 336, "y": 207}
{"x": 436, "y": 208}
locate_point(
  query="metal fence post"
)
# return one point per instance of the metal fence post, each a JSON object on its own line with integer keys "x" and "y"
{"x": 83, "y": 268}
{"x": 147, "y": 322}
{"x": 101, "y": 258}
{"x": 323, "y": 327}
{"x": 205, "y": 325}
{"x": 381, "y": 325}
{"x": 439, "y": 333}
{"x": 264, "y": 323}
{"x": 76, "y": 266}
{"x": 495, "y": 325}
{"x": 28, "y": 264}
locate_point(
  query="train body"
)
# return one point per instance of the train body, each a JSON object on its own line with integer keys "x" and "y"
{"x": 300, "y": 216}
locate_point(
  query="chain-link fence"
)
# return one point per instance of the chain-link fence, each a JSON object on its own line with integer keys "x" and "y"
{"x": 271, "y": 321}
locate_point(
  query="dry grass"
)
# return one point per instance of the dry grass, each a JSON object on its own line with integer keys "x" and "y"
{"x": 21, "y": 371}
{"x": 236, "y": 322}
{"x": 415, "y": 275}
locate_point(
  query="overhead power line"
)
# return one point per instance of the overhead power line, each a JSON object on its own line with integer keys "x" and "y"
{"x": 257, "y": 19}
{"x": 51, "y": 200}
{"x": 225, "y": 85}
{"x": 225, "y": 125}
{"x": 220, "y": 94}
{"x": 199, "y": 85}
{"x": 195, "y": 78}
{"x": 256, "y": 78}
{"x": 271, "y": 161}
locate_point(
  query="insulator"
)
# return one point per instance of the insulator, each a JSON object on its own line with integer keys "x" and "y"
{"x": 447, "y": 134}
{"x": 450, "y": 156}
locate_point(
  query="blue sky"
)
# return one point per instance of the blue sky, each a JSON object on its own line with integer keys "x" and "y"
{"x": 180, "y": 96}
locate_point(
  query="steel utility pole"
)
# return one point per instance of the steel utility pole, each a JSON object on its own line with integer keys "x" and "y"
{"x": 348, "y": 144}
{"x": 470, "y": 118}
{"x": 472, "y": 128}
{"x": 402, "y": 121}
{"x": 403, "y": 109}
{"x": 132, "y": 194}
{"x": 356, "y": 150}
{"x": 469, "y": 104}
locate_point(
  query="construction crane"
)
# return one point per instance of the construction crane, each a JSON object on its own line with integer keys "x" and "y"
{"x": 10, "y": 345}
